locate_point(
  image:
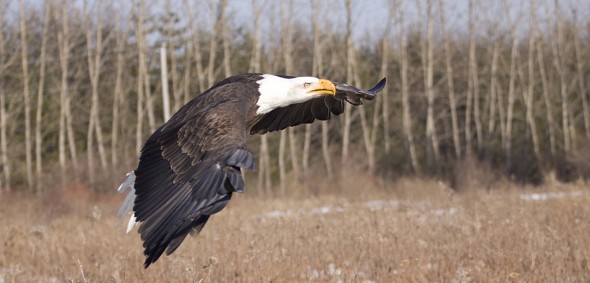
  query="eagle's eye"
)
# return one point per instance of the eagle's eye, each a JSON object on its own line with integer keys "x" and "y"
{"x": 306, "y": 85}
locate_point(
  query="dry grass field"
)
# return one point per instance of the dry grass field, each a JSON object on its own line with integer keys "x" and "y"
{"x": 407, "y": 231}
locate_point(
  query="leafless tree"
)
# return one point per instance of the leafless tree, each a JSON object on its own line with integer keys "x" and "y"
{"x": 494, "y": 87}
{"x": 94, "y": 67}
{"x": 470, "y": 83}
{"x": 142, "y": 70}
{"x": 581, "y": 77}
{"x": 450, "y": 80}
{"x": 213, "y": 41}
{"x": 120, "y": 36}
{"x": 195, "y": 34}
{"x": 427, "y": 67}
{"x": 65, "y": 120}
{"x": 287, "y": 48}
{"x": 529, "y": 94}
{"x": 177, "y": 87}
{"x": 405, "y": 88}
{"x": 545, "y": 87}
{"x": 264, "y": 176}
{"x": 318, "y": 71}
{"x": 347, "y": 117}
{"x": 474, "y": 76}
{"x": 557, "y": 46}
{"x": 512, "y": 84}
{"x": 26, "y": 92}
{"x": 393, "y": 6}
{"x": 225, "y": 38}
{"x": 5, "y": 165}
{"x": 40, "y": 96}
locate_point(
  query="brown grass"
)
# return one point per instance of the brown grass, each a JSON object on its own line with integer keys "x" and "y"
{"x": 407, "y": 231}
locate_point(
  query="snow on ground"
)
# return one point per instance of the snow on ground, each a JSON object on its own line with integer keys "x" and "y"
{"x": 550, "y": 195}
{"x": 421, "y": 207}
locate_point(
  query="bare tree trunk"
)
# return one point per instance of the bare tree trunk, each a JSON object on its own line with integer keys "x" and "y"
{"x": 120, "y": 38}
{"x": 187, "y": 74}
{"x": 581, "y": 80}
{"x": 287, "y": 38}
{"x": 306, "y": 149}
{"x": 255, "y": 60}
{"x": 144, "y": 77}
{"x": 264, "y": 175}
{"x": 26, "y": 93}
{"x": 573, "y": 132}
{"x": 347, "y": 107}
{"x": 140, "y": 80}
{"x": 6, "y": 169}
{"x": 393, "y": 6}
{"x": 529, "y": 94}
{"x": 225, "y": 39}
{"x": 195, "y": 48}
{"x": 370, "y": 134}
{"x": 450, "y": 81}
{"x": 511, "y": 97}
{"x": 406, "y": 117}
{"x": 557, "y": 47}
{"x": 213, "y": 47}
{"x": 40, "y": 94}
{"x": 94, "y": 64}
{"x": 475, "y": 79}
{"x": 546, "y": 97}
{"x": 427, "y": 66}
{"x": 511, "y": 90}
{"x": 177, "y": 88}
{"x": 164, "y": 77}
{"x": 281, "y": 160}
{"x": 318, "y": 71}
{"x": 470, "y": 85}
{"x": 65, "y": 123}
{"x": 493, "y": 93}
{"x": 287, "y": 57}
{"x": 149, "y": 99}
{"x": 5, "y": 181}
{"x": 326, "y": 149}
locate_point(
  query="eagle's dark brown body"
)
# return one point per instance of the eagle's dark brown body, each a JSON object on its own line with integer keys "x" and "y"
{"x": 190, "y": 166}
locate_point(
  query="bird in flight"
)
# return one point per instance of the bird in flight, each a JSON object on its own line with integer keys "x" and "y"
{"x": 191, "y": 165}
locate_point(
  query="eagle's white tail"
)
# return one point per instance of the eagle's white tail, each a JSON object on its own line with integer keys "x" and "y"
{"x": 127, "y": 205}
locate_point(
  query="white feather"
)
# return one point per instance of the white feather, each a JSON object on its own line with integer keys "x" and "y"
{"x": 279, "y": 92}
{"x": 127, "y": 206}
{"x": 131, "y": 224}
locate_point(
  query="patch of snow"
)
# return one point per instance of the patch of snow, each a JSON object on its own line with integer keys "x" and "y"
{"x": 278, "y": 214}
{"x": 550, "y": 195}
{"x": 443, "y": 212}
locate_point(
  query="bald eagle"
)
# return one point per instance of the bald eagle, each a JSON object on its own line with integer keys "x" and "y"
{"x": 190, "y": 166}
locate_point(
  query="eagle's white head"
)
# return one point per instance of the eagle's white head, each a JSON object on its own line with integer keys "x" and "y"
{"x": 278, "y": 91}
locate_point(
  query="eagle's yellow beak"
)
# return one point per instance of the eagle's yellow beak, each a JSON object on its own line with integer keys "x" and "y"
{"x": 323, "y": 87}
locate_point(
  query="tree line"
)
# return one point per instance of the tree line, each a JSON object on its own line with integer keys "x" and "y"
{"x": 82, "y": 83}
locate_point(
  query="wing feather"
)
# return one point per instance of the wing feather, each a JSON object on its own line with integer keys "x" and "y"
{"x": 320, "y": 108}
{"x": 190, "y": 167}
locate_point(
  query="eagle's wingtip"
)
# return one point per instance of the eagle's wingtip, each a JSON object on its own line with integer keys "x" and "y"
{"x": 378, "y": 87}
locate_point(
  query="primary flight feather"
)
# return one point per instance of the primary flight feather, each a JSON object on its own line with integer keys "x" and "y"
{"x": 190, "y": 166}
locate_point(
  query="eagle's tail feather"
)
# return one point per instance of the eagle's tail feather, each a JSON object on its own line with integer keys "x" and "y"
{"x": 127, "y": 205}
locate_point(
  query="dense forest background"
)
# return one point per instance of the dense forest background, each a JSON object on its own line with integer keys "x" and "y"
{"x": 496, "y": 85}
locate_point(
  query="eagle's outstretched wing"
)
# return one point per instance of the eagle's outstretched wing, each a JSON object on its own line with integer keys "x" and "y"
{"x": 189, "y": 169}
{"x": 320, "y": 108}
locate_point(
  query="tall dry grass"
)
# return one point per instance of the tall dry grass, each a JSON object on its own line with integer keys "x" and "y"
{"x": 369, "y": 231}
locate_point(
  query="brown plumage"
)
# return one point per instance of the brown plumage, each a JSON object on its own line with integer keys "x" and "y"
{"x": 190, "y": 166}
